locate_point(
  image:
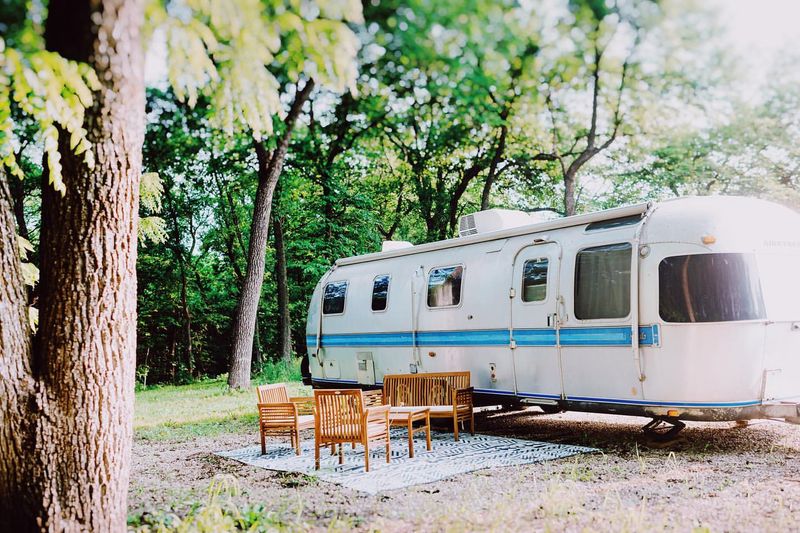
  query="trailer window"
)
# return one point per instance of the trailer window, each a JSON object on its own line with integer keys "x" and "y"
{"x": 444, "y": 286}
{"x": 614, "y": 223}
{"x": 603, "y": 282}
{"x": 534, "y": 280}
{"x": 380, "y": 293}
{"x": 333, "y": 301}
{"x": 709, "y": 288}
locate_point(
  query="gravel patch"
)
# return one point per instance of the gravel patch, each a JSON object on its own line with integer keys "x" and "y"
{"x": 720, "y": 477}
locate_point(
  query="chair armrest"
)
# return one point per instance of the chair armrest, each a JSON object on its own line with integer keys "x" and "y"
{"x": 378, "y": 413}
{"x": 305, "y": 404}
{"x": 463, "y": 396}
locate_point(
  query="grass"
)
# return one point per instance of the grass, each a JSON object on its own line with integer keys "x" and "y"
{"x": 218, "y": 512}
{"x": 205, "y": 408}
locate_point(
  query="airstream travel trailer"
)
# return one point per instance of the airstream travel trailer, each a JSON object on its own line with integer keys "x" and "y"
{"x": 686, "y": 309}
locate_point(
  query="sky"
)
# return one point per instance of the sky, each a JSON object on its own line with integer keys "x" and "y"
{"x": 759, "y": 30}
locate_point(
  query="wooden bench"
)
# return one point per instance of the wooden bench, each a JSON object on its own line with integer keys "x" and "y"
{"x": 447, "y": 394}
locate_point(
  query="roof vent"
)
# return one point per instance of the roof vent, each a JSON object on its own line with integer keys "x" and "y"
{"x": 466, "y": 226}
{"x": 388, "y": 246}
{"x": 493, "y": 220}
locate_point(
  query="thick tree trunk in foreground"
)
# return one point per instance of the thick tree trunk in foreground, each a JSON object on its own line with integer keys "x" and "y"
{"x": 18, "y": 195}
{"x": 65, "y": 419}
{"x": 282, "y": 282}
{"x": 269, "y": 170}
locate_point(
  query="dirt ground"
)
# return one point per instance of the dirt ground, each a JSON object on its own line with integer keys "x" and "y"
{"x": 719, "y": 478}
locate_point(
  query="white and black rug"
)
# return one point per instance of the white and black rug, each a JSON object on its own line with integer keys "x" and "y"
{"x": 447, "y": 458}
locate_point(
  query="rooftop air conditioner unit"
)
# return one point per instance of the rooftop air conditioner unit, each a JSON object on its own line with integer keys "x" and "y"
{"x": 493, "y": 220}
{"x": 388, "y": 246}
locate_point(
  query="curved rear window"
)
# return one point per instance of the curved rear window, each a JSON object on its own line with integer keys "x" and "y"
{"x": 709, "y": 288}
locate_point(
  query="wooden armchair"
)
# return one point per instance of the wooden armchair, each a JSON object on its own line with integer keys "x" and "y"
{"x": 280, "y": 415}
{"x": 342, "y": 417}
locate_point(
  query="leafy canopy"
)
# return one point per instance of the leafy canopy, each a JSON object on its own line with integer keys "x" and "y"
{"x": 231, "y": 51}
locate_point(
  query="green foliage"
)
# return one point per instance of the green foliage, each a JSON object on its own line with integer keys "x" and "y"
{"x": 219, "y": 512}
{"x": 51, "y": 90}
{"x": 234, "y": 53}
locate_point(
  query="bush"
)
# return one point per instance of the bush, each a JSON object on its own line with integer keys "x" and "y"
{"x": 278, "y": 371}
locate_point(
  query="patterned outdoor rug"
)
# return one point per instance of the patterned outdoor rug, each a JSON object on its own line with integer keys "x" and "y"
{"x": 447, "y": 458}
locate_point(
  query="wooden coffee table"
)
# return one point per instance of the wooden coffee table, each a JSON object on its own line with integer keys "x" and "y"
{"x": 406, "y": 416}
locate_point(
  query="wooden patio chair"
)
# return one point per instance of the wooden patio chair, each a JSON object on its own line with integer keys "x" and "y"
{"x": 280, "y": 415}
{"x": 342, "y": 417}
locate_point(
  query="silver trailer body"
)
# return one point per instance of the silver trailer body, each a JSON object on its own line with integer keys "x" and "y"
{"x": 688, "y": 308}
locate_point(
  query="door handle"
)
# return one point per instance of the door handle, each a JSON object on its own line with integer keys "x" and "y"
{"x": 562, "y": 306}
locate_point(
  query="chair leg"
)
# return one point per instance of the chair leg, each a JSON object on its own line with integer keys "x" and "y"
{"x": 341, "y": 453}
{"x": 333, "y": 448}
{"x": 472, "y": 422}
{"x": 410, "y": 439}
{"x": 297, "y": 440}
{"x": 455, "y": 427}
{"x": 388, "y": 454}
{"x": 428, "y": 431}
{"x": 263, "y": 444}
{"x": 353, "y": 444}
{"x": 366, "y": 455}
{"x": 316, "y": 454}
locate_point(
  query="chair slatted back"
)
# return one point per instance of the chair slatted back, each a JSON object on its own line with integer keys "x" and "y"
{"x": 275, "y": 393}
{"x": 430, "y": 388}
{"x": 276, "y": 416}
{"x": 339, "y": 413}
{"x": 372, "y": 398}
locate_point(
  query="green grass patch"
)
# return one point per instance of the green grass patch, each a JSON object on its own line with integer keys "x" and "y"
{"x": 205, "y": 408}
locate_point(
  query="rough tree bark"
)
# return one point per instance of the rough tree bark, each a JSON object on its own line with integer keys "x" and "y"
{"x": 269, "y": 170}
{"x": 65, "y": 418}
{"x": 282, "y": 281}
{"x": 17, "y": 188}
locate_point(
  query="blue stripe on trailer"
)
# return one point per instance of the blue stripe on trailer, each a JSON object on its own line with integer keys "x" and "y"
{"x": 618, "y": 336}
{"x": 487, "y": 337}
{"x": 597, "y": 336}
{"x": 535, "y": 337}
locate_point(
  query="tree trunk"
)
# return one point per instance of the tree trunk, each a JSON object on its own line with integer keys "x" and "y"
{"x": 17, "y": 187}
{"x": 258, "y": 357}
{"x": 569, "y": 193}
{"x": 65, "y": 424}
{"x": 269, "y": 170}
{"x": 187, "y": 317}
{"x": 500, "y": 149}
{"x": 284, "y": 317}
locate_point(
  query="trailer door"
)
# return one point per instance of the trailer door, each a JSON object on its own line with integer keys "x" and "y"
{"x": 595, "y": 334}
{"x": 534, "y": 322}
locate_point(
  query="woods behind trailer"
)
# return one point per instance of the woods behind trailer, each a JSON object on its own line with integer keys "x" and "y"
{"x": 685, "y": 309}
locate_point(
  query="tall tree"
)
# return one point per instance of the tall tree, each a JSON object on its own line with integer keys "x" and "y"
{"x": 65, "y": 435}
{"x": 270, "y": 165}
{"x": 309, "y": 61}
{"x": 65, "y": 423}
